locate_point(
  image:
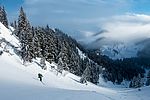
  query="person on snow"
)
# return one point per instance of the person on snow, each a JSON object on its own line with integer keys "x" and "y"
{"x": 40, "y": 76}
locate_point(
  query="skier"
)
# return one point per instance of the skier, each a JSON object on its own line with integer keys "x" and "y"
{"x": 1, "y": 52}
{"x": 40, "y": 76}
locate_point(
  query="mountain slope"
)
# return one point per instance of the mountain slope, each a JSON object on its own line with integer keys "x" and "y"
{"x": 117, "y": 48}
{"x": 22, "y": 80}
{"x": 18, "y": 81}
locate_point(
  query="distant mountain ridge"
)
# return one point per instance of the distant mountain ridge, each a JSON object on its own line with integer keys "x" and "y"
{"x": 117, "y": 49}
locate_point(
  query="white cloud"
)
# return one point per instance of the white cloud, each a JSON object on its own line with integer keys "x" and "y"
{"x": 75, "y": 15}
{"x": 87, "y": 33}
{"x": 83, "y": 18}
{"x": 128, "y": 28}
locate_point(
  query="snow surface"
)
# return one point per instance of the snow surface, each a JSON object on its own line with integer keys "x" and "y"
{"x": 82, "y": 55}
{"x": 7, "y": 34}
{"x": 121, "y": 50}
{"x": 18, "y": 81}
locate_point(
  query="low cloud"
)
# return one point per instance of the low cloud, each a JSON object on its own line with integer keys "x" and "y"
{"x": 127, "y": 28}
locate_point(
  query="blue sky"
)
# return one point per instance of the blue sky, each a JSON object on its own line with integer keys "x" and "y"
{"x": 141, "y": 6}
{"x": 80, "y": 18}
{"x": 136, "y": 6}
{"x": 11, "y": 5}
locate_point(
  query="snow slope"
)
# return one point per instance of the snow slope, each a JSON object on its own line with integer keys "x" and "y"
{"x": 7, "y": 34}
{"x": 20, "y": 82}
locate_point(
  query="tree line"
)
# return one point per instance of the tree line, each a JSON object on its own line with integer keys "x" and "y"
{"x": 53, "y": 45}
{"x": 116, "y": 71}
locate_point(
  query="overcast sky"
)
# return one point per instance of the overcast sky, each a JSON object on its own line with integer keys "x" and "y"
{"x": 83, "y": 18}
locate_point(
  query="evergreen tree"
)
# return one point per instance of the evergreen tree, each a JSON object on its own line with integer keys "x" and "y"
{"x": 36, "y": 43}
{"x": 87, "y": 73}
{"x": 22, "y": 23}
{"x": 63, "y": 55}
{"x": 25, "y": 35}
{"x": 139, "y": 81}
{"x": 133, "y": 82}
{"x": 1, "y": 14}
{"x": 42, "y": 63}
{"x": 86, "y": 76}
{"x": 61, "y": 65}
{"x": 5, "y": 21}
{"x": 3, "y": 17}
{"x": 92, "y": 71}
{"x": 53, "y": 48}
{"x": 136, "y": 82}
{"x": 14, "y": 24}
{"x": 148, "y": 79}
{"x": 29, "y": 37}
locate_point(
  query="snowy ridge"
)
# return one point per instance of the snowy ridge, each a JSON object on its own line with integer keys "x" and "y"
{"x": 121, "y": 50}
{"x": 18, "y": 81}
